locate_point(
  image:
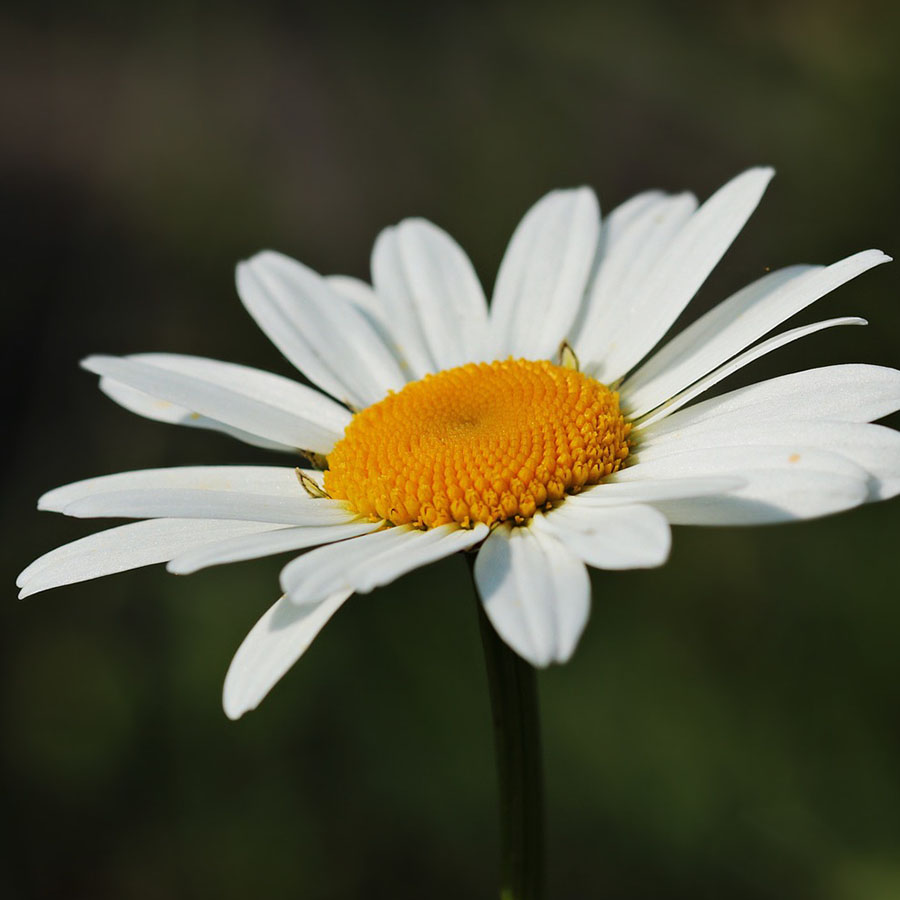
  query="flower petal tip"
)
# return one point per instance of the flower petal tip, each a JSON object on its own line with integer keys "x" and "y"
{"x": 93, "y": 363}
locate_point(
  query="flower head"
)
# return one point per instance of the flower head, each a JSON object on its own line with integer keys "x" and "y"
{"x": 544, "y": 433}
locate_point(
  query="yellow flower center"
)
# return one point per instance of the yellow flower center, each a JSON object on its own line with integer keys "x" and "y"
{"x": 483, "y": 442}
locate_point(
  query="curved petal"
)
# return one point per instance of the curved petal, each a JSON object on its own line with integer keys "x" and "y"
{"x": 423, "y": 274}
{"x": 398, "y": 306}
{"x": 735, "y": 324}
{"x": 615, "y": 537}
{"x": 278, "y": 481}
{"x": 253, "y": 546}
{"x": 535, "y": 592}
{"x": 735, "y": 460}
{"x": 543, "y": 275}
{"x": 771, "y": 497}
{"x": 744, "y": 359}
{"x": 273, "y": 645}
{"x": 127, "y": 547}
{"x": 611, "y": 493}
{"x": 632, "y": 239}
{"x": 872, "y": 447}
{"x": 163, "y": 411}
{"x": 781, "y": 482}
{"x": 236, "y": 403}
{"x": 273, "y": 390}
{"x": 318, "y": 329}
{"x": 364, "y": 563}
{"x": 678, "y": 273}
{"x": 847, "y": 393}
{"x": 362, "y": 295}
{"x": 201, "y": 504}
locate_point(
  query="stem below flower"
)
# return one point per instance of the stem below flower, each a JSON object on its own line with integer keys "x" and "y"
{"x": 517, "y": 743}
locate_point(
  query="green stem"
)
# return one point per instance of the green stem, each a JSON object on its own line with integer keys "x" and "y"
{"x": 517, "y": 742}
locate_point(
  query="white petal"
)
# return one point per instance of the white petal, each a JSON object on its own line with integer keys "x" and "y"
{"x": 279, "y": 481}
{"x": 127, "y": 547}
{"x": 734, "y": 460}
{"x": 632, "y": 239}
{"x": 612, "y": 493}
{"x": 203, "y": 504}
{"x": 295, "y": 399}
{"x": 572, "y": 592}
{"x": 736, "y": 323}
{"x": 713, "y": 330}
{"x": 845, "y": 393}
{"x": 535, "y": 593}
{"x": 679, "y": 272}
{"x": 423, "y": 272}
{"x": 872, "y": 447}
{"x": 318, "y": 329}
{"x": 398, "y": 305}
{"x": 749, "y": 356}
{"x": 273, "y": 645}
{"x": 781, "y": 483}
{"x": 362, "y": 295}
{"x": 616, "y": 537}
{"x": 163, "y": 411}
{"x": 253, "y": 546}
{"x": 364, "y": 563}
{"x": 771, "y": 496}
{"x": 543, "y": 275}
{"x": 208, "y": 394}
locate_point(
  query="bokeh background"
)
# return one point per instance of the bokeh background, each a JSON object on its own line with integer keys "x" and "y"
{"x": 729, "y": 726}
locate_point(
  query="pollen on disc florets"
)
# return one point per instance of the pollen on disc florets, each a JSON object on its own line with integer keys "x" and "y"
{"x": 484, "y": 442}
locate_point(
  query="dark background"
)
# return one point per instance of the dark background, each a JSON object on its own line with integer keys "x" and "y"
{"x": 729, "y": 725}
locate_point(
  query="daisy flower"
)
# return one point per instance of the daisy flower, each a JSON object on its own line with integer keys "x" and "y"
{"x": 544, "y": 433}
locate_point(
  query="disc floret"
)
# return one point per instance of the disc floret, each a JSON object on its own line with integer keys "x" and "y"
{"x": 484, "y": 442}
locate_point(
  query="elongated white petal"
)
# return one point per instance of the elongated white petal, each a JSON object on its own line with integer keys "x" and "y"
{"x": 535, "y": 592}
{"x": 632, "y": 239}
{"x": 273, "y": 645}
{"x": 572, "y": 591}
{"x": 770, "y": 497}
{"x": 199, "y": 504}
{"x": 212, "y": 398}
{"x": 364, "y": 563}
{"x": 713, "y": 330}
{"x": 318, "y": 329}
{"x": 684, "y": 265}
{"x": 615, "y": 537}
{"x": 612, "y": 493}
{"x": 781, "y": 482}
{"x": 735, "y": 324}
{"x": 845, "y": 393}
{"x": 278, "y": 481}
{"x": 399, "y": 307}
{"x": 735, "y": 460}
{"x": 743, "y": 359}
{"x": 163, "y": 411}
{"x": 872, "y": 447}
{"x": 253, "y": 546}
{"x": 127, "y": 547}
{"x": 422, "y": 271}
{"x": 543, "y": 275}
{"x": 362, "y": 295}
{"x": 325, "y": 419}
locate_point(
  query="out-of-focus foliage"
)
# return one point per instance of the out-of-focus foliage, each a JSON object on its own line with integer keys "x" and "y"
{"x": 729, "y": 725}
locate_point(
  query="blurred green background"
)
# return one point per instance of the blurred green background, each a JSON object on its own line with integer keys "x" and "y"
{"x": 729, "y": 726}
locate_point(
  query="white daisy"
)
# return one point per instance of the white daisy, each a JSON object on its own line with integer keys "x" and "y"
{"x": 540, "y": 432}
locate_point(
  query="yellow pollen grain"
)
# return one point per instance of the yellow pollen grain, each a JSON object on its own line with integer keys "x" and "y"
{"x": 484, "y": 442}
